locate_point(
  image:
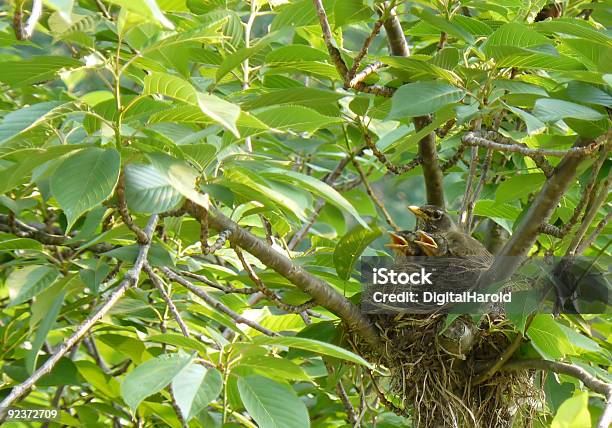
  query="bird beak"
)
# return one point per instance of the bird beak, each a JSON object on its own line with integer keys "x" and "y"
{"x": 418, "y": 212}
{"x": 425, "y": 241}
{"x": 397, "y": 241}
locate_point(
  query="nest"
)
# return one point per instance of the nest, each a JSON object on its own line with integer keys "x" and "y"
{"x": 434, "y": 387}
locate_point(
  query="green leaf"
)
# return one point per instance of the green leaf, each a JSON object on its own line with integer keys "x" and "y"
{"x": 147, "y": 190}
{"x": 20, "y": 244}
{"x": 446, "y": 26}
{"x": 315, "y": 186}
{"x": 534, "y": 125}
{"x": 180, "y": 176}
{"x": 552, "y": 110}
{"x": 35, "y": 70}
{"x": 19, "y": 121}
{"x": 147, "y": 9}
{"x": 313, "y": 346}
{"x": 194, "y": 388}
{"x": 219, "y": 110}
{"x": 425, "y": 98}
{"x": 518, "y": 186}
{"x": 280, "y": 368}
{"x": 548, "y": 338}
{"x": 157, "y": 256}
{"x": 151, "y": 377}
{"x": 272, "y": 405}
{"x": 585, "y": 93}
{"x": 514, "y": 34}
{"x": 295, "y": 118}
{"x": 84, "y": 180}
{"x": 350, "y": 247}
{"x": 42, "y": 330}
{"x": 348, "y": 11}
{"x": 573, "y": 413}
{"x": 25, "y": 283}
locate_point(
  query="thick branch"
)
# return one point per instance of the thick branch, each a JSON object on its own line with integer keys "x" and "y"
{"x": 539, "y": 212}
{"x": 432, "y": 173}
{"x": 321, "y": 292}
{"x": 130, "y": 278}
{"x": 579, "y": 373}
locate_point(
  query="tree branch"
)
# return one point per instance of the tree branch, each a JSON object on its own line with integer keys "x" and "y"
{"x": 271, "y": 295}
{"x": 539, "y": 212}
{"x": 373, "y": 196}
{"x": 214, "y": 303}
{"x": 321, "y": 292}
{"x": 473, "y": 139}
{"x": 364, "y": 50}
{"x": 572, "y": 370}
{"x": 24, "y": 230}
{"x": 130, "y": 278}
{"x": 398, "y": 170}
{"x": 334, "y": 53}
{"x": 159, "y": 284}
{"x": 432, "y": 172}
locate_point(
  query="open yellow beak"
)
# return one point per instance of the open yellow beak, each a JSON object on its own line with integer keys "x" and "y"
{"x": 397, "y": 241}
{"x": 425, "y": 240}
{"x": 417, "y": 212}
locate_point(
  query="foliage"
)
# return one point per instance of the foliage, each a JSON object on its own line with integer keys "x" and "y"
{"x": 115, "y": 111}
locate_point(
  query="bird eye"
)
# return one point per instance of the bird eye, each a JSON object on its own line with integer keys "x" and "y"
{"x": 437, "y": 215}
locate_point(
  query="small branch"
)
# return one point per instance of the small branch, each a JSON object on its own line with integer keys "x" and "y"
{"x": 586, "y": 243}
{"x": 130, "y": 278}
{"x": 103, "y": 9}
{"x": 220, "y": 242}
{"x": 517, "y": 247}
{"x": 364, "y": 50}
{"x": 141, "y": 237}
{"x": 398, "y": 170}
{"x": 219, "y": 287}
{"x": 572, "y": 370}
{"x": 552, "y": 230}
{"x": 328, "y": 179}
{"x": 503, "y": 358}
{"x": 442, "y": 41}
{"x": 589, "y": 215}
{"x": 483, "y": 178}
{"x": 328, "y": 37}
{"x": 373, "y": 196}
{"x": 474, "y": 140}
{"x": 18, "y": 228}
{"x": 159, "y": 284}
{"x": 214, "y": 303}
{"x": 456, "y": 157}
{"x": 463, "y": 211}
{"x": 363, "y": 74}
{"x": 271, "y": 295}
{"x": 322, "y": 293}
{"x": 346, "y": 402}
{"x": 25, "y": 33}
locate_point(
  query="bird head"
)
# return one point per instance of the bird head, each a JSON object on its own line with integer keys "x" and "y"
{"x": 431, "y": 218}
{"x": 402, "y": 243}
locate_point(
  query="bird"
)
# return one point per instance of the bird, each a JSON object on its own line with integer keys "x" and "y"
{"x": 403, "y": 244}
{"x": 438, "y": 235}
